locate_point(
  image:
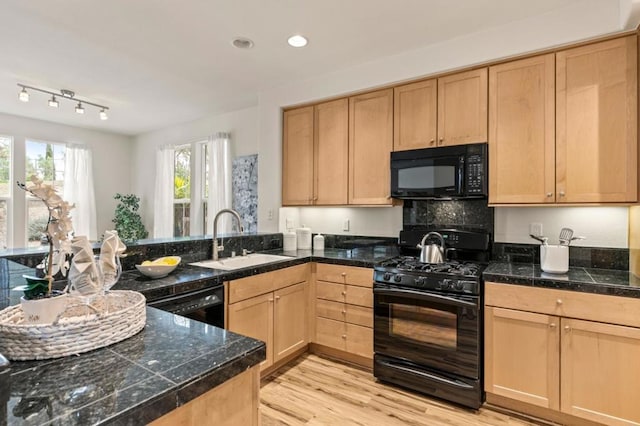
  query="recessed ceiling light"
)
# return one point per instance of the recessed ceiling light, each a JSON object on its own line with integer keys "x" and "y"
{"x": 297, "y": 41}
{"x": 242, "y": 43}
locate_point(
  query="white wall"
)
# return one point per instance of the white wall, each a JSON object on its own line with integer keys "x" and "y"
{"x": 577, "y": 21}
{"x": 111, "y": 159}
{"x": 242, "y": 124}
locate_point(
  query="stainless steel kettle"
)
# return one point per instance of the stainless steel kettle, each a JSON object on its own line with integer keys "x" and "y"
{"x": 432, "y": 253}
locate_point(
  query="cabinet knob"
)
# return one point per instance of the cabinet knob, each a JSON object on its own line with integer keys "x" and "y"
{"x": 344, "y": 293}
{"x": 567, "y": 328}
{"x": 549, "y": 194}
{"x": 432, "y": 141}
{"x": 277, "y": 297}
{"x": 552, "y": 325}
{"x": 440, "y": 141}
{"x": 315, "y": 198}
{"x": 561, "y": 193}
{"x": 270, "y": 300}
{"x": 344, "y": 274}
{"x": 559, "y": 302}
{"x": 344, "y": 312}
{"x": 344, "y": 336}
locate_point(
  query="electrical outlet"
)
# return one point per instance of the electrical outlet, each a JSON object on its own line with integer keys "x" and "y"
{"x": 535, "y": 228}
{"x": 345, "y": 225}
{"x": 289, "y": 223}
{"x": 270, "y": 214}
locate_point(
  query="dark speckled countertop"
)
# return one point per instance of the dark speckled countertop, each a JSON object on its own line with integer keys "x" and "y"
{"x": 586, "y": 280}
{"x": 171, "y": 361}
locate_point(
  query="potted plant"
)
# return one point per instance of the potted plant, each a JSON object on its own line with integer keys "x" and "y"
{"x": 127, "y": 219}
{"x": 40, "y": 303}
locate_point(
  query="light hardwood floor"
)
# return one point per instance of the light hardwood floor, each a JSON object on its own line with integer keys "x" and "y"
{"x": 318, "y": 391}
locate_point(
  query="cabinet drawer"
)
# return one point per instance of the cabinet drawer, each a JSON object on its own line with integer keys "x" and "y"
{"x": 331, "y": 333}
{"x": 564, "y": 303}
{"x": 331, "y": 291}
{"x": 359, "y": 340}
{"x": 255, "y": 285}
{"x": 337, "y": 311}
{"x": 345, "y": 274}
{"x": 360, "y": 296}
{"x": 359, "y": 315}
{"x": 329, "y": 309}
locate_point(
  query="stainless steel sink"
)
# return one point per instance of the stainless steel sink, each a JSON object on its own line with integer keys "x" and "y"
{"x": 239, "y": 262}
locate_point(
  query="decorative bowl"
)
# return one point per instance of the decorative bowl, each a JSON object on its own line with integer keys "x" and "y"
{"x": 160, "y": 267}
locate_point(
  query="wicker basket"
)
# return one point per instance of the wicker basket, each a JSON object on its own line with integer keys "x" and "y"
{"x": 81, "y": 328}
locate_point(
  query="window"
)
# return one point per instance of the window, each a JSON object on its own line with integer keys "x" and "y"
{"x": 182, "y": 191}
{"x": 5, "y": 189}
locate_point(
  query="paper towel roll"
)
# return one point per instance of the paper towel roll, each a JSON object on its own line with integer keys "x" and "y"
{"x": 318, "y": 242}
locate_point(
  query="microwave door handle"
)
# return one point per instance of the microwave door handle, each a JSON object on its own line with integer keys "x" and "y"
{"x": 427, "y": 297}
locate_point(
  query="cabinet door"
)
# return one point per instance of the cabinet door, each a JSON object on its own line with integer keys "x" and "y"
{"x": 414, "y": 115}
{"x": 297, "y": 157}
{"x": 331, "y": 152}
{"x": 254, "y": 318}
{"x": 462, "y": 108}
{"x": 370, "y": 145}
{"x": 522, "y": 131}
{"x": 522, "y": 356}
{"x": 596, "y": 141}
{"x": 600, "y": 371}
{"x": 290, "y": 320}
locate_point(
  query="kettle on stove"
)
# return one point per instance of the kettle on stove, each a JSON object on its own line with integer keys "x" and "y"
{"x": 432, "y": 253}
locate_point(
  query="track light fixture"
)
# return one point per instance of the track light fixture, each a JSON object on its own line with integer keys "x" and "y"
{"x": 64, "y": 94}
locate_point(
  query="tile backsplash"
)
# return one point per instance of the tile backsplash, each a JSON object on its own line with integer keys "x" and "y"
{"x": 464, "y": 214}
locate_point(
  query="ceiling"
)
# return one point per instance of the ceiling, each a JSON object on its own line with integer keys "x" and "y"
{"x": 157, "y": 63}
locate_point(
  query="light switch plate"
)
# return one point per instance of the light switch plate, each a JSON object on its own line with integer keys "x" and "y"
{"x": 535, "y": 228}
{"x": 345, "y": 225}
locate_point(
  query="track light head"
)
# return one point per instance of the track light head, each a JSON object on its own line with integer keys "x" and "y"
{"x": 79, "y": 108}
{"x": 103, "y": 114}
{"x": 53, "y": 102}
{"x": 24, "y": 95}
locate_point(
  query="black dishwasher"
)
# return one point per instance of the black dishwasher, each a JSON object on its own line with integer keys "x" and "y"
{"x": 205, "y": 305}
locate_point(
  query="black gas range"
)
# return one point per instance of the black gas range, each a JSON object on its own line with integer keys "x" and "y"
{"x": 428, "y": 317}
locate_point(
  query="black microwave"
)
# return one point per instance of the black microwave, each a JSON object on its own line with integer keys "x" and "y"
{"x": 458, "y": 171}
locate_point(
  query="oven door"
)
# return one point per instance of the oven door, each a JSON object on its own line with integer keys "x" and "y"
{"x": 435, "y": 330}
{"x": 426, "y": 177}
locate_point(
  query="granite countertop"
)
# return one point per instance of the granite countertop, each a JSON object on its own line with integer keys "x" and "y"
{"x": 586, "y": 280}
{"x": 170, "y": 362}
{"x": 189, "y": 278}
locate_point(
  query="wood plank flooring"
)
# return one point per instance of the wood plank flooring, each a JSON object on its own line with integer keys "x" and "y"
{"x": 318, "y": 391}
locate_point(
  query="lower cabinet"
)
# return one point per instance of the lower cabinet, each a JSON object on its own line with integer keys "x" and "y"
{"x": 586, "y": 368}
{"x": 277, "y": 315}
{"x": 344, "y": 309}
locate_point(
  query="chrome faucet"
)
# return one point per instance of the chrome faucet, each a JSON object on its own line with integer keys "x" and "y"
{"x": 220, "y": 247}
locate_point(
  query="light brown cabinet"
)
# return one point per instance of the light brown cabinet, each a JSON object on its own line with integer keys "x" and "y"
{"x": 344, "y": 309}
{"x": 450, "y": 110}
{"x": 370, "y": 146}
{"x": 522, "y": 131}
{"x": 571, "y": 353}
{"x": 271, "y": 307}
{"x": 569, "y": 135}
{"x": 596, "y": 119}
{"x": 337, "y": 152}
{"x": 297, "y": 157}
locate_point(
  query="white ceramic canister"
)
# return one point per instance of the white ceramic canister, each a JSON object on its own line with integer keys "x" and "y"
{"x": 304, "y": 238}
{"x": 318, "y": 242}
{"x": 289, "y": 241}
{"x": 554, "y": 259}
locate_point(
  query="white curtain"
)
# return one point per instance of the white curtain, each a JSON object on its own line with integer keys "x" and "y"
{"x": 220, "y": 196}
{"x": 78, "y": 190}
{"x": 163, "y": 200}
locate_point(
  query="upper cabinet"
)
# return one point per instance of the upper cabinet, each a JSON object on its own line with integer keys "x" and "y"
{"x": 450, "y": 110}
{"x": 337, "y": 152}
{"x": 588, "y": 154}
{"x": 596, "y": 122}
{"x": 521, "y": 131}
{"x": 297, "y": 157}
{"x": 370, "y": 145}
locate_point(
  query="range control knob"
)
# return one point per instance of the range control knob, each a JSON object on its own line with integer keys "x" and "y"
{"x": 397, "y": 278}
{"x": 421, "y": 281}
{"x": 459, "y": 285}
{"x": 386, "y": 276}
